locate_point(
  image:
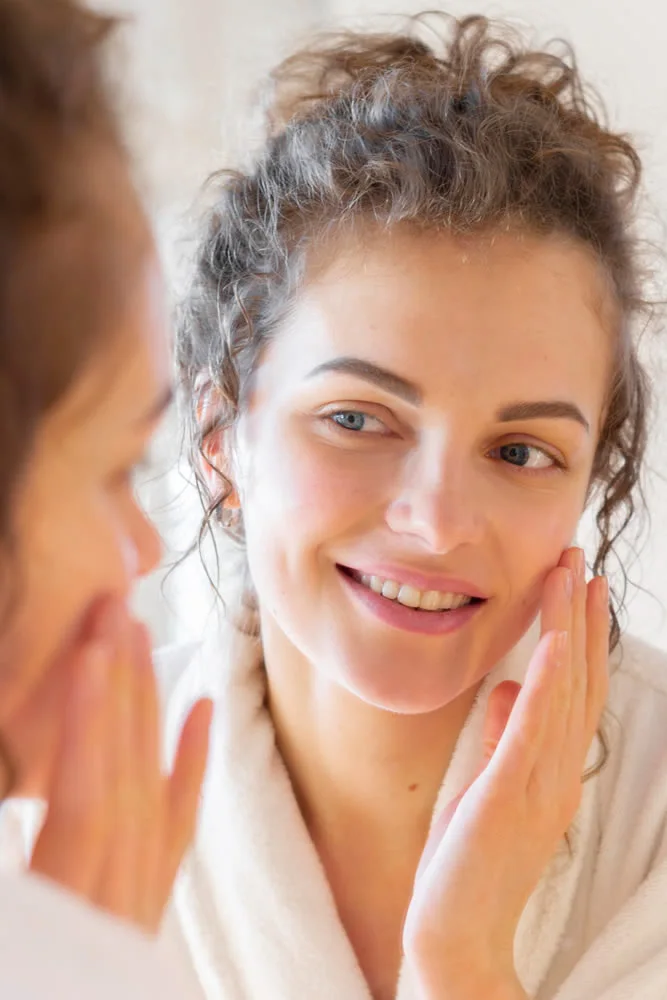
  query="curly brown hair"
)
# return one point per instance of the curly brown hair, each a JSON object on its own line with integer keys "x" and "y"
{"x": 57, "y": 119}
{"x": 465, "y": 132}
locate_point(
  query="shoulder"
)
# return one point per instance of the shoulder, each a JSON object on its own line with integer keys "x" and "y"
{"x": 630, "y": 840}
{"x": 632, "y": 782}
{"x": 638, "y": 687}
{"x": 217, "y": 667}
{"x": 641, "y": 665}
{"x": 205, "y": 668}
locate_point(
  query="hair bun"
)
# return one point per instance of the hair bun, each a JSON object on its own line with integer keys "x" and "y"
{"x": 334, "y": 65}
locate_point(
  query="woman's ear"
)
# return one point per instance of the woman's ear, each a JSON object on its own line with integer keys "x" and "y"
{"x": 211, "y": 460}
{"x": 215, "y": 452}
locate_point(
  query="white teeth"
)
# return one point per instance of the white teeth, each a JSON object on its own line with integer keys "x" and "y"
{"x": 410, "y": 597}
{"x": 430, "y": 600}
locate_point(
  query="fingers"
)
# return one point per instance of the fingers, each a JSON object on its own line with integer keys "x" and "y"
{"x": 589, "y": 643}
{"x": 579, "y": 689}
{"x": 557, "y": 615}
{"x": 575, "y": 561}
{"x": 499, "y": 709}
{"x": 184, "y": 787}
{"x": 437, "y": 833}
{"x": 154, "y": 818}
{"x": 557, "y": 601}
{"x": 72, "y": 841}
{"x": 597, "y": 654}
{"x": 116, "y": 828}
{"x": 520, "y": 745}
{"x": 501, "y": 702}
{"x": 119, "y": 879}
{"x": 148, "y": 712}
{"x": 151, "y": 783}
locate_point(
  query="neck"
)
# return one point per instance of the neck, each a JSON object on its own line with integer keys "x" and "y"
{"x": 357, "y": 769}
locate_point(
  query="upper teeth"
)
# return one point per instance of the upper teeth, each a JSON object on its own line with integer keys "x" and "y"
{"x": 426, "y": 600}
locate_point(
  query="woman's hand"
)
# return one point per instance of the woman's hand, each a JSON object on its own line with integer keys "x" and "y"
{"x": 489, "y": 849}
{"x": 117, "y": 827}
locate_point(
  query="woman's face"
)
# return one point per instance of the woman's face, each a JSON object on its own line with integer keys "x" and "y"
{"x": 80, "y": 535}
{"x": 427, "y": 420}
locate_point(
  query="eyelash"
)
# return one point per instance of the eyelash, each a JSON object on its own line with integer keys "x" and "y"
{"x": 357, "y": 413}
{"x": 558, "y": 464}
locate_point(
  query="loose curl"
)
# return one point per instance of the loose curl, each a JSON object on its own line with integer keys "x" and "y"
{"x": 468, "y": 132}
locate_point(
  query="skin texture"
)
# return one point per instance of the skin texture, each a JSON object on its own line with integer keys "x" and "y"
{"x": 79, "y": 716}
{"x": 488, "y": 849}
{"x": 80, "y": 533}
{"x": 367, "y": 714}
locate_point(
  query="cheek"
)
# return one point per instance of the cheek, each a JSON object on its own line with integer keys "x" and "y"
{"x": 532, "y": 540}
{"x": 307, "y": 489}
{"x": 72, "y": 556}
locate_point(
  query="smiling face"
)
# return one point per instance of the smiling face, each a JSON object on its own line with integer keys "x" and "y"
{"x": 424, "y": 424}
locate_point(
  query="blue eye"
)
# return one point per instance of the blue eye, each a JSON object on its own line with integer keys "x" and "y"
{"x": 525, "y": 456}
{"x": 351, "y": 420}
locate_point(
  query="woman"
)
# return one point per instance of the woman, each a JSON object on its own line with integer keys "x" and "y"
{"x": 409, "y": 365}
{"x": 85, "y": 376}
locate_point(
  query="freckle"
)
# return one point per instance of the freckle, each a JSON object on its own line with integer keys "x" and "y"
{"x": 412, "y": 788}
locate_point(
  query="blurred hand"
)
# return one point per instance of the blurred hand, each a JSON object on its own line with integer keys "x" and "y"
{"x": 116, "y": 827}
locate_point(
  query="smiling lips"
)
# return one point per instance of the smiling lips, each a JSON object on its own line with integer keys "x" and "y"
{"x": 404, "y": 605}
{"x": 411, "y": 597}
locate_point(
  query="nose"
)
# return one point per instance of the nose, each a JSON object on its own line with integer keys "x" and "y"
{"x": 438, "y": 503}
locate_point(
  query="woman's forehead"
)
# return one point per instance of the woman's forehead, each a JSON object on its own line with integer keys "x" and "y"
{"x": 443, "y": 312}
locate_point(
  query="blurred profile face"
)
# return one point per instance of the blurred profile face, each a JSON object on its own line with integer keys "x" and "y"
{"x": 416, "y": 455}
{"x": 79, "y": 534}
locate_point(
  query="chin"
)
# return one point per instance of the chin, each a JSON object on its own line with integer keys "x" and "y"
{"x": 401, "y": 689}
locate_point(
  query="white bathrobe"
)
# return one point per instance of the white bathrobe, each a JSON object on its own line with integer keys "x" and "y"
{"x": 253, "y": 909}
{"x": 55, "y": 947}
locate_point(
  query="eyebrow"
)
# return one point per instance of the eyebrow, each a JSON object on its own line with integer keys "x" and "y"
{"x": 555, "y": 409}
{"x": 161, "y": 404}
{"x": 395, "y": 384}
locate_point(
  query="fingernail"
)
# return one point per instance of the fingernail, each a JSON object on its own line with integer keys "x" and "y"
{"x": 581, "y": 566}
{"x": 568, "y": 583}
